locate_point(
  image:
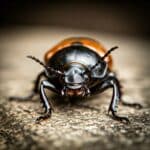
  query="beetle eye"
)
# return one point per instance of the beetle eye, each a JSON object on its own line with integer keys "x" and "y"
{"x": 99, "y": 70}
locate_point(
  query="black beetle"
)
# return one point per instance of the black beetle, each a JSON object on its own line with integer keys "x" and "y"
{"x": 77, "y": 67}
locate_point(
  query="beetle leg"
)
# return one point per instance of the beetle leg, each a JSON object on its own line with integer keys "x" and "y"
{"x": 111, "y": 82}
{"x": 34, "y": 90}
{"x": 87, "y": 91}
{"x": 115, "y": 99}
{"x": 135, "y": 105}
{"x": 63, "y": 91}
{"x": 47, "y": 105}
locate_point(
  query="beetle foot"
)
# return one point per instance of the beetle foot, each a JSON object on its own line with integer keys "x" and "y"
{"x": 134, "y": 105}
{"x": 45, "y": 116}
{"x": 120, "y": 118}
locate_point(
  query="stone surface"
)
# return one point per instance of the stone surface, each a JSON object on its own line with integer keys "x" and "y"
{"x": 86, "y": 124}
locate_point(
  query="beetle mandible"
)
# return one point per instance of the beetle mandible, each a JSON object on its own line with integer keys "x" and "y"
{"x": 77, "y": 67}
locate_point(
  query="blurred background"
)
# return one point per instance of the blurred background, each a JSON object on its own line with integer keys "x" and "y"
{"x": 31, "y": 27}
{"x": 118, "y": 17}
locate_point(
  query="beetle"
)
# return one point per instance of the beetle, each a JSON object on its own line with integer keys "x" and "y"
{"x": 77, "y": 67}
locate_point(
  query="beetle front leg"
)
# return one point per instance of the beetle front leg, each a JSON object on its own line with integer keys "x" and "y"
{"x": 34, "y": 90}
{"x": 111, "y": 82}
{"x": 47, "y": 105}
{"x": 114, "y": 83}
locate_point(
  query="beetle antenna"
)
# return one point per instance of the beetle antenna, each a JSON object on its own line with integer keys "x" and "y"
{"x": 109, "y": 51}
{"x": 37, "y": 60}
{"x": 46, "y": 67}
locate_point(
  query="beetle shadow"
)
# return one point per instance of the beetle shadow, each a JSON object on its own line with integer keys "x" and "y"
{"x": 79, "y": 102}
{"x": 63, "y": 102}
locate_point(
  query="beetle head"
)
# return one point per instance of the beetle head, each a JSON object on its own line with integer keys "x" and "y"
{"x": 74, "y": 76}
{"x": 75, "y": 79}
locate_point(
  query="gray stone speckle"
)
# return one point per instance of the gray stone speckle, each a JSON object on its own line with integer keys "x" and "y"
{"x": 85, "y": 125}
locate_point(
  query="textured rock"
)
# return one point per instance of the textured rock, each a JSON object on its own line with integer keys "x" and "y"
{"x": 85, "y": 124}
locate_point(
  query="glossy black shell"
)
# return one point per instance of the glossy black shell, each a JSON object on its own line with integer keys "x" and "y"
{"x": 72, "y": 54}
{"x": 79, "y": 54}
